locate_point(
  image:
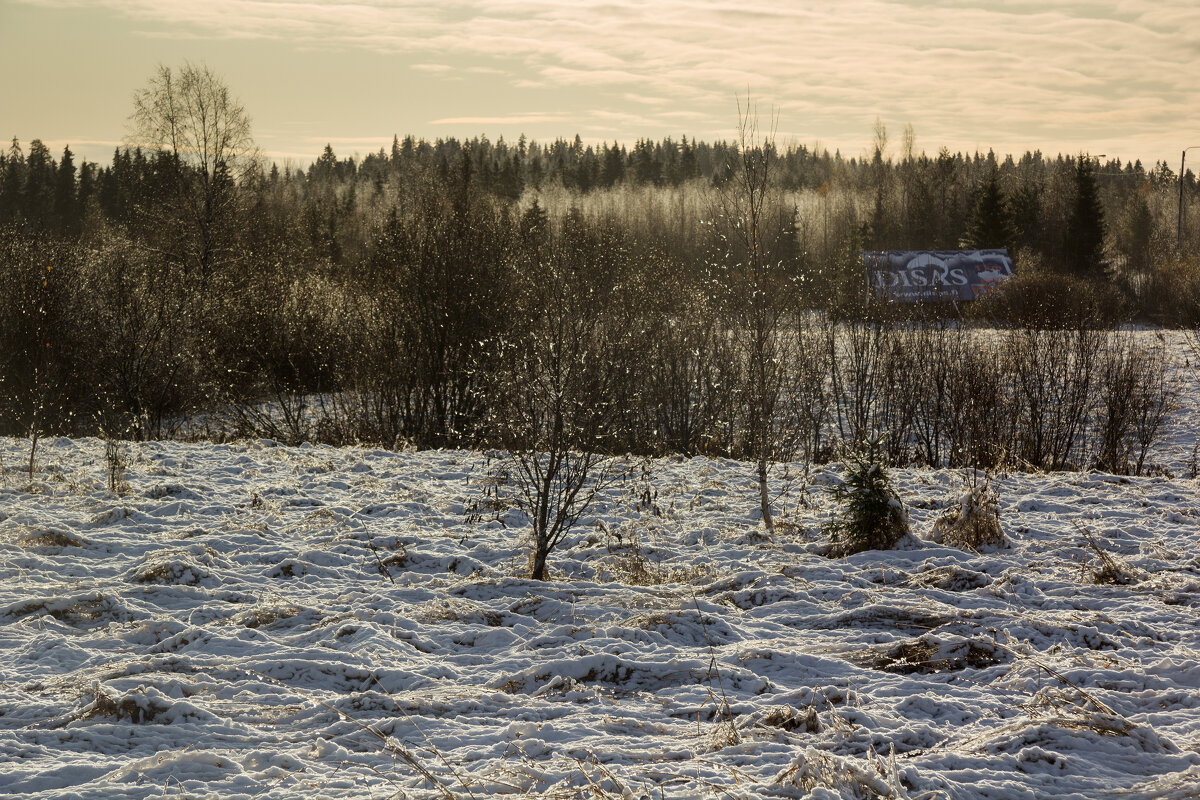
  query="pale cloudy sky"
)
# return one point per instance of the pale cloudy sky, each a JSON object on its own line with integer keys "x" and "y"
{"x": 1120, "y": 77}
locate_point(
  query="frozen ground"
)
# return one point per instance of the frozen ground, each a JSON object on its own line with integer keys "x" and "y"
{"x": 254, "y": 621}
{"x": 257, "y": 621}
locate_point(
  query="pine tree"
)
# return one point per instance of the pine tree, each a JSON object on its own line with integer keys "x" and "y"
{"x": 1027, "y": 207}
{"x": 647, "y": 168}
{"x": 587, "y": 171}
{"x": 535, "y": 225}
{"x": 1084, "y": 250}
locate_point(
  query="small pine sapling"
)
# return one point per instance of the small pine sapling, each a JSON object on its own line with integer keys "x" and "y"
{"x": 871, "y": 515}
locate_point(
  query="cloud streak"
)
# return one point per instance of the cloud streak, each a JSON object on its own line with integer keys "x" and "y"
{"x": 1013, "y": 74}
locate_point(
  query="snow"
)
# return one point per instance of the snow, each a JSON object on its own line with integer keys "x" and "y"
{"x": 258, "y": 621}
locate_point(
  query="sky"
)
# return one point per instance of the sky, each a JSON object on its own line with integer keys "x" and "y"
{"x": 1113, "y": 77}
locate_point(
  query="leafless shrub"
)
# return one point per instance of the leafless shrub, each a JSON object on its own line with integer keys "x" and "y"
{"x": 146, "y": 324}
{"x": 117, "y": 460}
{"x": 900, "y": 394}
{"x": 292, "y": 333}
{"x": 1046, "y": 300}
{"x": 983, "y": 412}
{"x": 1154, "y": 394}
{"x": 1172, "y": 293}
{"x": 689, "y": 373}
{"x": 939, "y": 350}
{"x": 809, "y": 394}
{"x": 854, "y": 361}
{"x": 1054, "y": 375}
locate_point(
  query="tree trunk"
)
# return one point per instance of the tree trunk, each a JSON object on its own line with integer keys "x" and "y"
{"x": 540, "y": 552}
{"x": 763, "y": 497}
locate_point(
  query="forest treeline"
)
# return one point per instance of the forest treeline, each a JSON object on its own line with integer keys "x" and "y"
{"x": 455, "y": 293}
{"x": 1120, "y": 217}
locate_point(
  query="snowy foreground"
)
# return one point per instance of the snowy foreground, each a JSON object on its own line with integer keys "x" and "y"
{"x": 254, "y": 621}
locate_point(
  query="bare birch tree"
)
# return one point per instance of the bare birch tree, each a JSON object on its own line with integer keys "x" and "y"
{"x": 553, "y": 386}
{"x": 190, "y": 115}
{"x": 759, "y": 290}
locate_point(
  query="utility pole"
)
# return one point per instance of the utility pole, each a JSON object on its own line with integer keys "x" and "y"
{"x": 1179, "y": 227}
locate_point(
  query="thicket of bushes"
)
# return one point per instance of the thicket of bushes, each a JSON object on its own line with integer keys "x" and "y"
{"x": 464, "y": 322}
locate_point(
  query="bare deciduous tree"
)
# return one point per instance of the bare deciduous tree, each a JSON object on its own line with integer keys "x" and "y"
{"x": 552, "y": 391}
{"x": 758, "y": 293}
{"x": 189, "y": 114}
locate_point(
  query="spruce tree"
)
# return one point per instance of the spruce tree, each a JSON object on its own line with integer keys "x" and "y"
{"x": 613, "y": 171}
{"x": 66, "y": 210}
{"x": 87, "y": 187}
{"x": 38, "y": 192}
{"x": 688, "y": 168}
{"x": 1084, "y": 250}
{"x": 1136, "y": 239}
{"x": 10, "y": 183}
{"x": 991, "y": 223}
{"x": 395, "y": 155}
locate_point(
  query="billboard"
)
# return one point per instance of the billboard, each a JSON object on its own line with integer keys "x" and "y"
{"x": 911, "y": 276}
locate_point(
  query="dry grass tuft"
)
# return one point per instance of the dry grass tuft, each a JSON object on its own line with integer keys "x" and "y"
{"x": 172, "y": 567}
{"x": 81, "y": 611}
{"x": 949, "y": 578}
{"x": 820, "y": 770}
{"x": 974, "y": 523}
{"x": 445, "y": 610}
{"x": 927, "y": 656}
{"x": 1109, "y": 569}
{"x": 630, "y": 566}
{"x": 44, "y": 537}
{"x": 264, "y": 615}
{"x": 135, "y": 707}
{"x": 791, "y": 719}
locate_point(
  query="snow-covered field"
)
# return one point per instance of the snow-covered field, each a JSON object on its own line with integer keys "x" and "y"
{"x": 254, "y": 621}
